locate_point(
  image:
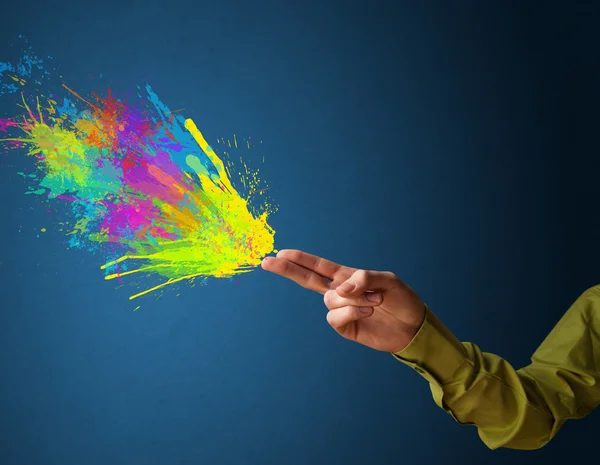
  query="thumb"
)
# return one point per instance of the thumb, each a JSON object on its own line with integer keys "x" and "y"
{"x": 363, "y": 280}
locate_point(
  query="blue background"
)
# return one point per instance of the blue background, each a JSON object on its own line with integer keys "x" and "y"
{"x": 455, "y": 145}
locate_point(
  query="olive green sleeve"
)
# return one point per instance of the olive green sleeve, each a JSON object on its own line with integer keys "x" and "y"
{"x": 517, "y": 409}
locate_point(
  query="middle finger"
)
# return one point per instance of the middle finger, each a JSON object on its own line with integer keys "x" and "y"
{"x": 300, "y": 275}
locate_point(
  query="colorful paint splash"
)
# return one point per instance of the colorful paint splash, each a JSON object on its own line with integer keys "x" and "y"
{"x": 144, "y": 187}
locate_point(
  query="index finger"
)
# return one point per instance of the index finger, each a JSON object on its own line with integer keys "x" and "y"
{"x": 319, "y": 265}
{"x": 300, "y": 275}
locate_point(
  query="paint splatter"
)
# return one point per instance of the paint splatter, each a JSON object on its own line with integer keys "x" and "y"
{"x": 145, "y": 189}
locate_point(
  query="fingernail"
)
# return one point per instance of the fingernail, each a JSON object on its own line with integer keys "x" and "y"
{"x": 374, "y": 296}
{"x": 347, "y": 287}
{"x": 366, "y": 310}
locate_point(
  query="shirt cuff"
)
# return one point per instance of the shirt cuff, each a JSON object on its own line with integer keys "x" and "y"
{"x": 435, "y": 353}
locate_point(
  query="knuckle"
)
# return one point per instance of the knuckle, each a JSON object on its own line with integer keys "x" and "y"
{"x": 332, "y": 318}
{"x": 329, "y": 297}
{"x": 347, "y": 274}
{"x": 306, "y": 275}
{"x": 390, "y": 276}
{"x": 283, "y": 266}
{"x": 318, "y": 262}
{"x": 361, "y": 277}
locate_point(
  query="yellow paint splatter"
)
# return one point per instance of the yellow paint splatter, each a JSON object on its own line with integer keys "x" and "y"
{"x": 225, "y": 239}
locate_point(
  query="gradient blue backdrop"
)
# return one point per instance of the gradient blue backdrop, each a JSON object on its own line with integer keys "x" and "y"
{"x": 455, "y": 145}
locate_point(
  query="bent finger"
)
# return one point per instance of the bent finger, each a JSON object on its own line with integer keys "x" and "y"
{"x": 363, "y": 280}
{"x": 340, "y": 317}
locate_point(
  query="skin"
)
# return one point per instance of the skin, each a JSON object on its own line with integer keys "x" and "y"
{"x": 373, "y": 308}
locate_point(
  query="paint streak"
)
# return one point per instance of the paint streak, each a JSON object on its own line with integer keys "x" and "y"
{"x": 145, "y": 189}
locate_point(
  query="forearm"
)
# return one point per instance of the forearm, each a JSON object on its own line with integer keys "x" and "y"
{"x": 519, "y": 409}
{"x": 504, "y": 405}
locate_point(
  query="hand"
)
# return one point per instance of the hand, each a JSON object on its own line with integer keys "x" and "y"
{"x": 373, "y": 308}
